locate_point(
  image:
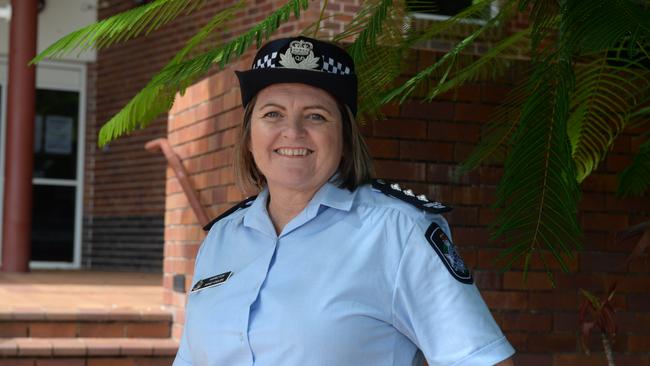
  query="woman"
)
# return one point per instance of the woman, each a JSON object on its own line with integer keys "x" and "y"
{"x": 322, "y": 268}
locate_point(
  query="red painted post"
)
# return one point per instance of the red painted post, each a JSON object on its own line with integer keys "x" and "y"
{"x": 21, "y": 102}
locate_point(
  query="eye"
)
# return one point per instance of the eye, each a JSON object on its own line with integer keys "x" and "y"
{"x": 316, "y": 117}
{"x": 272, "y": 115}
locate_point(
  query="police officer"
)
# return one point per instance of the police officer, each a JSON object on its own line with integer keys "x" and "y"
{"x": 326, "y": 266}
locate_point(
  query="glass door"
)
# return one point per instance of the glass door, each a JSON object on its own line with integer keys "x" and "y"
{"x": 57, "y": 187}
{"x": 57, "y": 183}
{"x": 56, "y": 133}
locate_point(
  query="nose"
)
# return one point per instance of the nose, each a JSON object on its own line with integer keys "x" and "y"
{"x": 295, "y": 127}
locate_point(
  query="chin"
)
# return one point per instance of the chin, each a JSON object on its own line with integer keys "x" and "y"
{"x": 298, "y": 182}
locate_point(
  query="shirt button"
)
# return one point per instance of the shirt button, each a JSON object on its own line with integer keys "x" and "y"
{"x": 241, "y": 337}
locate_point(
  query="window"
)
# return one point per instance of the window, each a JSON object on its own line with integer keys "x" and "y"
{"x": 443, "y": 9}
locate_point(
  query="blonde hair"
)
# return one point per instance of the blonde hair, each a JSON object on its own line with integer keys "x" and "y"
{"x": 354, "y": 169}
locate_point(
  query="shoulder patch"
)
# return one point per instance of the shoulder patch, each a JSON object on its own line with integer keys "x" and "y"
{"x": 407, "y": 195}
{"x": 243, "y": 204}
{"x": 448, "y": 254}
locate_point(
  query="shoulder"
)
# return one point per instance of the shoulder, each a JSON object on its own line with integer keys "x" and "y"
{"x": 229, "y": 212}
{"x": 421, "y": 222}
{"x": 388, "y": 196}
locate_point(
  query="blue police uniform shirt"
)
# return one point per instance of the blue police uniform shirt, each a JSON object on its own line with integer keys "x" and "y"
{"x": 350, "y": 281}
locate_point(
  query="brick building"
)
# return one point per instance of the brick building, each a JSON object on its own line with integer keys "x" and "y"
{"x": 132, "y": 203}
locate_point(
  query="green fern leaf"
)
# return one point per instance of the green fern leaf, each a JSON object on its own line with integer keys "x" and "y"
{"x": 371, "y": 29}
{"x": 596, "y": 25}
{"x": 635, "y": 179}
{"x": 158, "y": 95}
{"x": 495, "y": 56}
{"x": 121, "y": 27}
{"x": 497, "y": 133}
{"x": 607, "y": 90}
{"x": 538, "y": 192}
{"x": 154, "y": 100}
{"x": 449, "y": 59}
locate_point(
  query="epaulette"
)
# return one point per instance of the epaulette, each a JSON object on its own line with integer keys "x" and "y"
{"x": 407, "y": 195}
{"x": 243, "y": 204}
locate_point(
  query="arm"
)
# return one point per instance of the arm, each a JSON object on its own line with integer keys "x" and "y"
{"x": 507, "y": 362}
{"x": 441, "y": 312}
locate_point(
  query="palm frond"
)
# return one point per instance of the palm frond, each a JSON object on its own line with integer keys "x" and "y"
{"x": 543, "y": 20}
{"x": 635, "y": 179}
{"x": 379, "y": 51}
{"x": 448, "y": 60}
{"x": 596, "y": 25}
{"x": 494, "y": 143}
{"x": 607, "y": 90}
{"x": 158, "y": 95}
{"x": 538, "y": 192}
{"x": 154, "y": 100}
{"x": 121, "y": 27}
{"x": 372, "y": 29}
{"x": 495, "y": 61}
{"x": 223, "y": 55}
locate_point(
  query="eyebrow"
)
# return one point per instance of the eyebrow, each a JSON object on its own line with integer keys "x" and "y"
{"x": 315, "y": 106}
{"x": 271, "y": 104}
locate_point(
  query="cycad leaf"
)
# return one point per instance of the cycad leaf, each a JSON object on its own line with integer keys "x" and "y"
{"x": 121, "y": 27}
{"x": 497, "y": 133}
{"x": 596, "y": 25}
{"x": 607, "y": 90}
{"x": 538, "y": 192}
{"x": 447, "y": 61}
{"x": 497, "y": 55}
{"x": 371, "y": 30}
{"x": 158, "y": 96}
{"x": 635, "y": 179}
{"x": 379, "y": 51}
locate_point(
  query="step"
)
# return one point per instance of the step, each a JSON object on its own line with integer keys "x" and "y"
{"x": 86, "y": 351}
{"x": 84, "y": 323}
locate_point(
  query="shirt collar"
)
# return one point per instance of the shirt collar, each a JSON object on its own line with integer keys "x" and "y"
{"x": 329, "y": 195}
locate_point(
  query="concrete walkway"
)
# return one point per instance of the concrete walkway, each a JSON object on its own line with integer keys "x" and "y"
{"x": 64, "y": 291}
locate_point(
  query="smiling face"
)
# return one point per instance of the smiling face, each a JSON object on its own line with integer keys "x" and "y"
{"x": 296, "y": 136}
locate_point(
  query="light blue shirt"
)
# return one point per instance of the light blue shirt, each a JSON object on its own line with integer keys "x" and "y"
{"x": 350, "y": 281}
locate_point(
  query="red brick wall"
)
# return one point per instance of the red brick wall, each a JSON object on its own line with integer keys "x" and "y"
{"x": 419, "y": 145}
{"x": 125, "y": 185}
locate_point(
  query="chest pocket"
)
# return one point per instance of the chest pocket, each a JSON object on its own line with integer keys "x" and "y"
{"x": 218, "y": 308}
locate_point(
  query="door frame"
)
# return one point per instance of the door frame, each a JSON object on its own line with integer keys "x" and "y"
{"x": 52, "y": 75}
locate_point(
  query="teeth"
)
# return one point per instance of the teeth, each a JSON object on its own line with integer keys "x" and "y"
{"x": 293, "y": 152}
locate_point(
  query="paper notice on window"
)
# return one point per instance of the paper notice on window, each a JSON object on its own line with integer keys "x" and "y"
{"x": 58, "y": 135}
{"x": 38, "y": 133}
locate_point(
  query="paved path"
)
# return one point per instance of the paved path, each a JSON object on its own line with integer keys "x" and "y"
{"x": 93, "y": 291}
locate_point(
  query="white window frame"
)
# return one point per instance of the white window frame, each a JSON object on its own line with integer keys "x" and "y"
{"x": 494, "y": 9}
{"x": 51, "y": 68}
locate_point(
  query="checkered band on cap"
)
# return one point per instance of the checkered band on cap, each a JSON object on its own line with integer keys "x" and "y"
{"x": 305, "y": 58}
{"x": 334, "y": 67}
{"x": 268, "y": 61}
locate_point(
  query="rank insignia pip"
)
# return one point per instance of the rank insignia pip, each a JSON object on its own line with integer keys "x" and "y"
{"x": 407, "y": 195}
{"x": 448, "y": 254}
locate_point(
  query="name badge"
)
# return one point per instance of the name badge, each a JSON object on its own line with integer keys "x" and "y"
{"x": 212, "y": 281}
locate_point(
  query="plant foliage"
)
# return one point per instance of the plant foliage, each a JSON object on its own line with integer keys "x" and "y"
{"x": 588, "y": 82}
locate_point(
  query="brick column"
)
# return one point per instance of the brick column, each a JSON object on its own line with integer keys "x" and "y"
{"x": 202, "y": 129}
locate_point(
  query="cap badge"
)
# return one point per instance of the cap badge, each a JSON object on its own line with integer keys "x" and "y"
{"x": 299, "y": 55}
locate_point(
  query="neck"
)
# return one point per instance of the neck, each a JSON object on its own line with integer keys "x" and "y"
{"x": 285, "y": 204}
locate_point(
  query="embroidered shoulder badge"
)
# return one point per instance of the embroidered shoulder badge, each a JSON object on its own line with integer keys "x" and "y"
{"x": 407, "y": 195}
{"x": 243, "y": 204}
{"x": 448, "y": 254}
